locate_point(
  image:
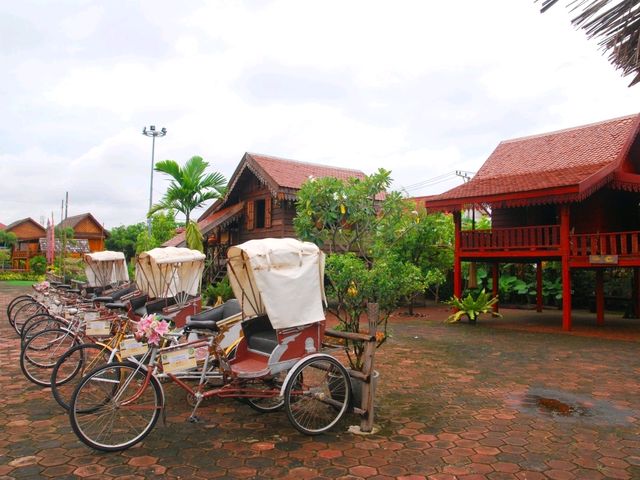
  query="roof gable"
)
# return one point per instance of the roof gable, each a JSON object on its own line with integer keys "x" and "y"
{"x": 26, "y": 229}
{"x": 283, "y": 177}
{"x": 575, "y": 161}
{"x": 76, "y": 220}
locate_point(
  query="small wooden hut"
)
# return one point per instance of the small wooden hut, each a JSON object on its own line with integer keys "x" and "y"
{"x": 28, "y": 232}
{"x": 260, "y": 203}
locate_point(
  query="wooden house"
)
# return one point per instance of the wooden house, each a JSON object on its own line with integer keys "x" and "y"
{"x": 28, "y": 232}
{"x": 571, "y": 196}
{"x": 259, "y": 203}
{"x": 86, "y": 227}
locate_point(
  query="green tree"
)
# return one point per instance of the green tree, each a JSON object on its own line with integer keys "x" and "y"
{"x": 189, "y": 189}
{"x": 348, "y": 219}
{"x": 124, "y": 238}
{"x": 163, "y": 226}
{"x": 8, "y": 239}
{"x": 343, "y": 216}
{"x": 421, "y": 239}
{"x": 65, "y": 235}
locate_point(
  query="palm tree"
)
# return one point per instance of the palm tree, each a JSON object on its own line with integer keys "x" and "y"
{"x": 189, "y": 189}
{"x": 190, "y": 186}
{"x": 616, "y": 23}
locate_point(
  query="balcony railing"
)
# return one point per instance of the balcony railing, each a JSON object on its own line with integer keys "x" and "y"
{"x": 539, "y": 237}
{"x": 614, "y": 243}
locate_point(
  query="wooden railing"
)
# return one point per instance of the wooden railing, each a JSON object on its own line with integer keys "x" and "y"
{"x": 539, "y": 237}
{"x": 613, "y": 243}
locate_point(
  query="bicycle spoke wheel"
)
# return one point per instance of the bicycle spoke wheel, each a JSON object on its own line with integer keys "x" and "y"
{"x": 317, "y": 394}
{"x": 15, "y": 303}
{"x": 37, "y": 323}
{"x": 72, "y": 366}
{"x": 267, "y": 404}
{"x": 24, "y": 311}
{"x": 113, "y": 407}
{"x": 41, "y": 352}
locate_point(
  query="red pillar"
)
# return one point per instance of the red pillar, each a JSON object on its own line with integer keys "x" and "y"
{"x": 457, "y": 263}
{"x": 495, "y": 283}
{"x": 635, "y": 292}
{"x": 539, "y": 286}
{"x": 600, "y": 296}
{"x": 566, "y": 272}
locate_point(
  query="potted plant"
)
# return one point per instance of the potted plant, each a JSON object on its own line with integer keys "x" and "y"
{"x": 472, "y": 307}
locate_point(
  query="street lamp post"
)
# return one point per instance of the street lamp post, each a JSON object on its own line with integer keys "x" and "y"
{"x": 153, "y": 133}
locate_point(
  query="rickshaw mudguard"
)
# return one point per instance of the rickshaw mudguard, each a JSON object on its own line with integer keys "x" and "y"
{"x": 291, "y": 372}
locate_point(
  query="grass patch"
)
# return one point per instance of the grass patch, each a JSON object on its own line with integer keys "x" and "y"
{"x": 18, "y": 283}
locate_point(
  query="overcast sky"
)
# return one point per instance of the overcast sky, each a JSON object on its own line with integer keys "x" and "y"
{"x": 421, "y": 88}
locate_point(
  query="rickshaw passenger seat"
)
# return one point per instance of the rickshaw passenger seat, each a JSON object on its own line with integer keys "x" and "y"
{"x": 209, "y": 318}
{"x": 260, "y": 334}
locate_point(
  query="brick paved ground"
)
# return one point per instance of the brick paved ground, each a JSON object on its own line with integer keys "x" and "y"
{"x": 493, "y": 401}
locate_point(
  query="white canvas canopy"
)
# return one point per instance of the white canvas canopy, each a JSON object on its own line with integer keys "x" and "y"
{"x": 170, "y": 272}
{"x": 105, "y": 268}
{"x": 282, "y": 277}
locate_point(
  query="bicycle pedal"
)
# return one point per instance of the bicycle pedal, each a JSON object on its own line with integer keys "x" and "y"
{"x": 194, "y": 419}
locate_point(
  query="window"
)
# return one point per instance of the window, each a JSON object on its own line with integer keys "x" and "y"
{"x": 260, "y": 213}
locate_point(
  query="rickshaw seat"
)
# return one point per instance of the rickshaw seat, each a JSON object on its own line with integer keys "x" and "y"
{"x": 137, "y": 304}
{"x": 114, "y": 305}
{"x": 260, "y": 334}
{"x": 157, "y": 305}
{"x": 210, "y": 318}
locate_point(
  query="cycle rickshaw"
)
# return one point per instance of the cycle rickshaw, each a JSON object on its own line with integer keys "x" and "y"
{"x": 278, "y": 363}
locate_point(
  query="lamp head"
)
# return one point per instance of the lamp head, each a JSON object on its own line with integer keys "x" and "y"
{"x": 152, "y": 128}
{"x": 164, "y": 131}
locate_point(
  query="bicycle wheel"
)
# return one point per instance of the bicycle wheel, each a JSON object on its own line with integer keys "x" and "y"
{"x": 42, "y": 351}
{"x": 14, "y": 303}
{"x": 24, "y": 311}
{"x": 317, "y": 395}
{"x": 113, "y": 407}
{"x": 271, "y": 403}
{"x": 73, "y": 365}
{"x": 37, "y": 323}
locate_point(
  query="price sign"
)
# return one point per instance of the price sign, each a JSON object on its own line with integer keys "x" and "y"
{"x": 179, "y": 360}
{"x": 99, "y": 328}
{"x": 130, "y": 347}
{"x": 91, "y": 316}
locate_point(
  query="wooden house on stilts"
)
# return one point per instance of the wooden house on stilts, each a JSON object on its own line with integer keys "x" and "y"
{"x": 572, "y": 196}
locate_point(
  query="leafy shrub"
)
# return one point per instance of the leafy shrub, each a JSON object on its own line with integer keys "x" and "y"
{"x": 221, "y": 289}
{"x": 8, "y": 276}
{"x": 38, "y": 265}
{"x": 472, "y": 307}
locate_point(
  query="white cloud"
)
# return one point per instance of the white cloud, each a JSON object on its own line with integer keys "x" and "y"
{"x": 415, "y": 87}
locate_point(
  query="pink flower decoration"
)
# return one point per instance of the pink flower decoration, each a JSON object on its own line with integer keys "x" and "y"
{"x": 150, "y": 329}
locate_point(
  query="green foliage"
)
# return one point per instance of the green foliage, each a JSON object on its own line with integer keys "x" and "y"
{"x": 190, "y": 186}
{"x": 221, "y": 289}
{"x": 193, "y": 237}
{"x": 352, "y": 284}
{"x": 5, "y": 257}
{"x": 20, "y": 276}
{"x": 144, "y": 242}
{"x": 472, "y": 307}
{"x": 38, "y": 265}
{"x": 124, "y": 239}
{"x": 163, "y": 226}
{"x": 341, "y": 216}
{"x": 8, "y": 239}
{"x": 482, "y": 223}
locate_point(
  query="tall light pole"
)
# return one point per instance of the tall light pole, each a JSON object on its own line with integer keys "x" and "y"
{"x": 153, "y": 133}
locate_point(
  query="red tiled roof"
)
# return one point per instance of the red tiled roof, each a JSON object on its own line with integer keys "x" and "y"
{"x": 208, "y": 224}
{"x": 577, "y": 159}
{"x": 292, "y": 174}
{"x": 283, "y": 177}
{"x": 2, "y": 226}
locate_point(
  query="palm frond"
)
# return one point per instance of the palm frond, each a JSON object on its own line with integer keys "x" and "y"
{"x": 616, "y": 25}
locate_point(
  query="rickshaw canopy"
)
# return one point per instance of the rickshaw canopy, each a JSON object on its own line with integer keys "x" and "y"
{"x": 105, "y": 268}
{"x": 282, "y": 277}
{"x": 170, "y": 272}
